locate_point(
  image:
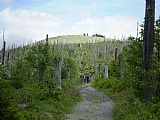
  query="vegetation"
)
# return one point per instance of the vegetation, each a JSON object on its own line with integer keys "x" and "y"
{"x": 31, "y": 77}
{"x": 37, "y": 101}
{"x": 128, "y": 88}
{"x": 27, "y": 92}
{"x": 40, "y": 81}
{"x": 127, "y": 105}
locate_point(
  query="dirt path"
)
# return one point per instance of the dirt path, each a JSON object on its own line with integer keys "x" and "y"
{"x": 95, "y": 106}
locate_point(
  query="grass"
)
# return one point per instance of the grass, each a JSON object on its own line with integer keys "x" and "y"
{"x": 34, "y": 101}
{"x": 128, "y": 106}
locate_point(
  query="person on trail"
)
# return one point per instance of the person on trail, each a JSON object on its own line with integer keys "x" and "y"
{"x": 87, "y": 78}
{"x": 82, "y": 78}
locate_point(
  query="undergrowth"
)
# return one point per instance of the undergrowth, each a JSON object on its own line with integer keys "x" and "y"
{"x": 127, "y": 105}
{"x": 37, "y": 101}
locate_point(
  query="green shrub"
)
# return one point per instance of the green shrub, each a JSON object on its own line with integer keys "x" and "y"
{"x": 128, "y": 105}
{"x": 112, "y": 83}
{"x": 8, "y": 108}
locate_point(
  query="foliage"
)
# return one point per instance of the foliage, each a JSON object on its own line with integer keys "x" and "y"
{"x": 8, "y": 108}
{"x": 127, "y": 105}
{"x": 37, "y": 101}
{"x": 29, "y": 92}
{"x": 68, "y": 67}
{"x": 33, "y": 89}
{"x": 39, "y": 58}
{"x": 111, "y": 83}
{"x": 113, "y": 69}
{"x": 128, "y": 92}
{"x": 133, "y": 65}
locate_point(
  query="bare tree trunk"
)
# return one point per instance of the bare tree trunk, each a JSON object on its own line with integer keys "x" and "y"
{"x": 59, "y": 74}
{"x": 4, "y": 50}
{"x": 148, "y": 49}
{"x": 99, "y": 70}
{"x": 158, "y": 47}
{"x": 120, "y": 65}
{"x": 69, "y": 74}
{"x": 106, "y": 50}
{"x": 8, "y": 56}
{"x": 105, "y": 71}
{"x": 47, "y": 38}
{"x": 116, "y": 50}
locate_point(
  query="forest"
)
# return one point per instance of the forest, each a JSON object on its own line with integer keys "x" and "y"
{"x": 41, "y": 80}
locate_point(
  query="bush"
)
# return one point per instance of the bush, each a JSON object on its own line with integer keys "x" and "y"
{"x": 128, "y": 105}
{"x": 113, "y": 84}
{"x": 8, "y": 108}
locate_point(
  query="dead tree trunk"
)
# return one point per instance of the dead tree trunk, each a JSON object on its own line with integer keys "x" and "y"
{"x": 106, "y": 50}
{"x": 157, "y": 38}
{"x": 105, "y": 74}
{"x": 69, "y": 74}
{"x": 120, "y": 65}
{"x": 99, "y": 70}
{"x": 3, "y": 54}
{"x": 47, "y": 38}
{"x": 116, "y": 50}
{"x": 148, "y": 45}
{"x": 59, "y": 74}
{"x": 8, "y": 56}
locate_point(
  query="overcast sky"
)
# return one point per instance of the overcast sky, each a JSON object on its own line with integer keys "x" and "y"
{"x": 30, "y": 20}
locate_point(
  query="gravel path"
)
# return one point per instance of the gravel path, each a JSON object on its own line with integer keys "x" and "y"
{"x": 95, "y": 106}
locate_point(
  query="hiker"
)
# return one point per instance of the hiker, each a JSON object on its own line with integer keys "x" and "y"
{"x": 82, "y": 78}
{"x": 87, "y": 79}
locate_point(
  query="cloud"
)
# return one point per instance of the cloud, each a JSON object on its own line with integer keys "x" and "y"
{"x": 111, "y": 26}
{"x": 23, "y": 25}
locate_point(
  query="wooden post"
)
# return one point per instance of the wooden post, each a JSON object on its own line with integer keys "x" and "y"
{"x": 105, "y": 74}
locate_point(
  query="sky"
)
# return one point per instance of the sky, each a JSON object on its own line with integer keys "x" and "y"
{"x": 26, "y": 21}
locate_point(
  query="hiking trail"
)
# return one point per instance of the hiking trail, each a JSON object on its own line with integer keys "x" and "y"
{"x": 95, "y": 106}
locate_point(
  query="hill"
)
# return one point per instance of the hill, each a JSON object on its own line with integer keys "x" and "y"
{"x": 76, "y": 39}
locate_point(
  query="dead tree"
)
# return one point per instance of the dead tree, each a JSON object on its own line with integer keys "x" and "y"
{"x": 106, "y": 50}
{"x": 99, "y": 70}
{"x": 116, "y": 50}
{"x": 105, "y": 72}
{"x": 120, "y": 65}
{"x": 57, "y": 72}
{"x": 148, "y": 45}
{"x": 47, "y": 38}
{"x": 8, "y": 56}
{"x": 3, "y": 54}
